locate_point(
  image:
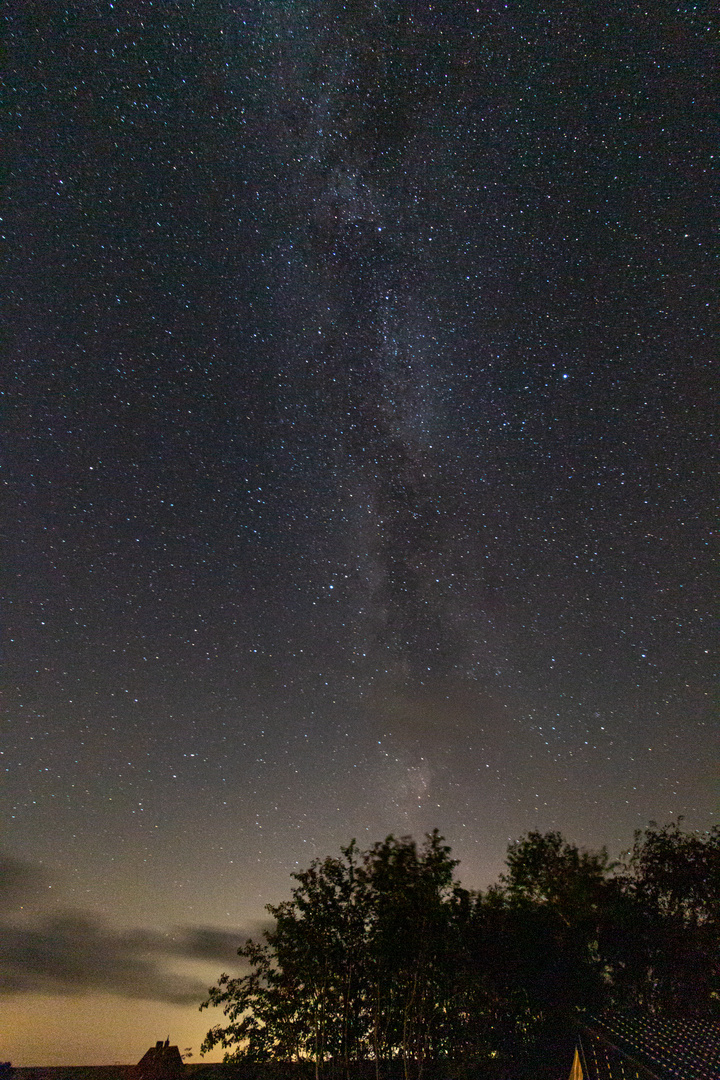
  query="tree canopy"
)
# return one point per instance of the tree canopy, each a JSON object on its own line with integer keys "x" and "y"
{"x": 381, "y": 961}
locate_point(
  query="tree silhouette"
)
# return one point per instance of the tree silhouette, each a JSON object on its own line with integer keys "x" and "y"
{"x": 381, "y": 960}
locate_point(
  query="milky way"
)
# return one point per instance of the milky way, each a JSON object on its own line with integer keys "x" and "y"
{"x": 358, "y": 449}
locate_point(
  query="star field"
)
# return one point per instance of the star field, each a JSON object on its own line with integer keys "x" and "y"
{"x": 358, "y": 447}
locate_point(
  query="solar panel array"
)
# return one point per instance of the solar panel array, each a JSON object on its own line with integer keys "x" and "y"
{"x": 622, "y": 1047}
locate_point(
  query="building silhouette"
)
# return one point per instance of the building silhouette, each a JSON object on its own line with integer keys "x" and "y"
{"x": 161, "y": 1062}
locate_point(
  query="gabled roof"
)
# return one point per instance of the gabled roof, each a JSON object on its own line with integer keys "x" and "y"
{"x": 623, "y": 1047}
{"x": 160, "y": 1062}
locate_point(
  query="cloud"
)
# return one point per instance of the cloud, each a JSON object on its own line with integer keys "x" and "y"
{"x": 74, "y": 952}
{"x": 209, "y": 943}
{"x": 18, "y": 881}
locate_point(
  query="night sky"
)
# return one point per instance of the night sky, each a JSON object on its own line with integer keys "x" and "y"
{"x": 358, "y": 465}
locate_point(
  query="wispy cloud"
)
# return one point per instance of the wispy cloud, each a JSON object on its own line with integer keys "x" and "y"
{"x": 71, "y": 952}
{"x": 18, "y": 881}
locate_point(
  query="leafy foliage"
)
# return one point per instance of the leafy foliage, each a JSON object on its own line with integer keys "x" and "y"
{"x": 381, "y": 960}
